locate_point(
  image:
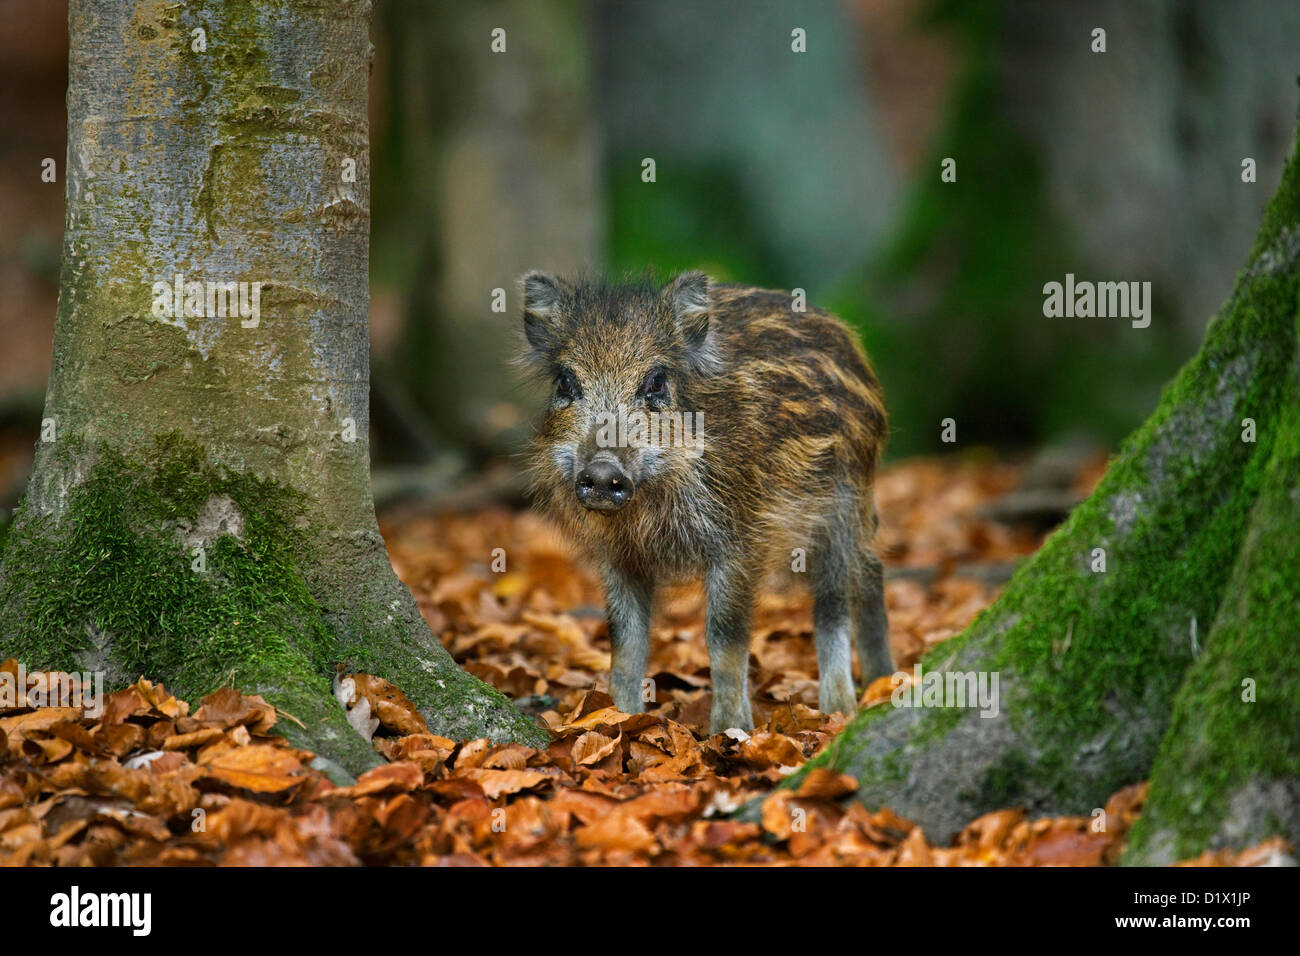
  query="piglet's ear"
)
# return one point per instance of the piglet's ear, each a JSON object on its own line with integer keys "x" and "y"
{"x": 690, "y": 301}
{"x": 541, "y": 296}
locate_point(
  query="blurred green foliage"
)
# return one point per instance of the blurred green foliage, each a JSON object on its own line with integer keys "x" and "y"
{"x": 697, "y": 218}
{"x": 949, "y": 302}
{"x": 952, "y": 310}
{"x": 951, "y": 305}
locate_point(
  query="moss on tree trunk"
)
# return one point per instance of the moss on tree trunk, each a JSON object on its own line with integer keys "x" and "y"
{"x": 200, "y": 511}
{"x": 1228, "y": 770}
{"x": 1100, "y": 671}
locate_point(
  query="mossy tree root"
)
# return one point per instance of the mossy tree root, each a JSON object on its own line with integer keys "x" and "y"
{"x": 1228, "y": 771}
{"x": 1090, "y": 662}
{"x": 174, "y": 569}
{"x": 382, "y": 632}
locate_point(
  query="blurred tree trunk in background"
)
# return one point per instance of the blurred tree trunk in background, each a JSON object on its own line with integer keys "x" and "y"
{"x": 1123, "y": 165}
{"x": 1185, "y": 91}
{"x": 487, "y": 168}
{"x": 772, "y": 166}
{"x": 199, "y": 510}
{"x": 33, "y": 124}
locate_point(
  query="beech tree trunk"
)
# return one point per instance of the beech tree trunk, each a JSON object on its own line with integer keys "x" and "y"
{"x": 1179, "y": 661}
{"x": 200, "y": 510}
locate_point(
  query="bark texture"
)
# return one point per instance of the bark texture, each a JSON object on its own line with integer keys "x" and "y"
{"x": 1100, "y": 672}
{"x": 224, "y": 142}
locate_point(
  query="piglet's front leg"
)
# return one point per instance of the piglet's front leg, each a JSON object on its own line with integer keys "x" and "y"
{"x": 730, "y": 590}
{"x": 628, "y": 600}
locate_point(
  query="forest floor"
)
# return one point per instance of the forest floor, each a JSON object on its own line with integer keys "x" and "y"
{"x": 154, "y": 781}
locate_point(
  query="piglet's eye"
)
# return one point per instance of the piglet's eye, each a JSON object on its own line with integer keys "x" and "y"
{"x": 566, "y": 386}
{"x": 656, "y": 384}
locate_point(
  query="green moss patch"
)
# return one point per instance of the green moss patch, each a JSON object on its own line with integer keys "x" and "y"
{"x": 1228, "y": 770}
{"x": 113, "y": 583}
{"x": 1091, "y": 662}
